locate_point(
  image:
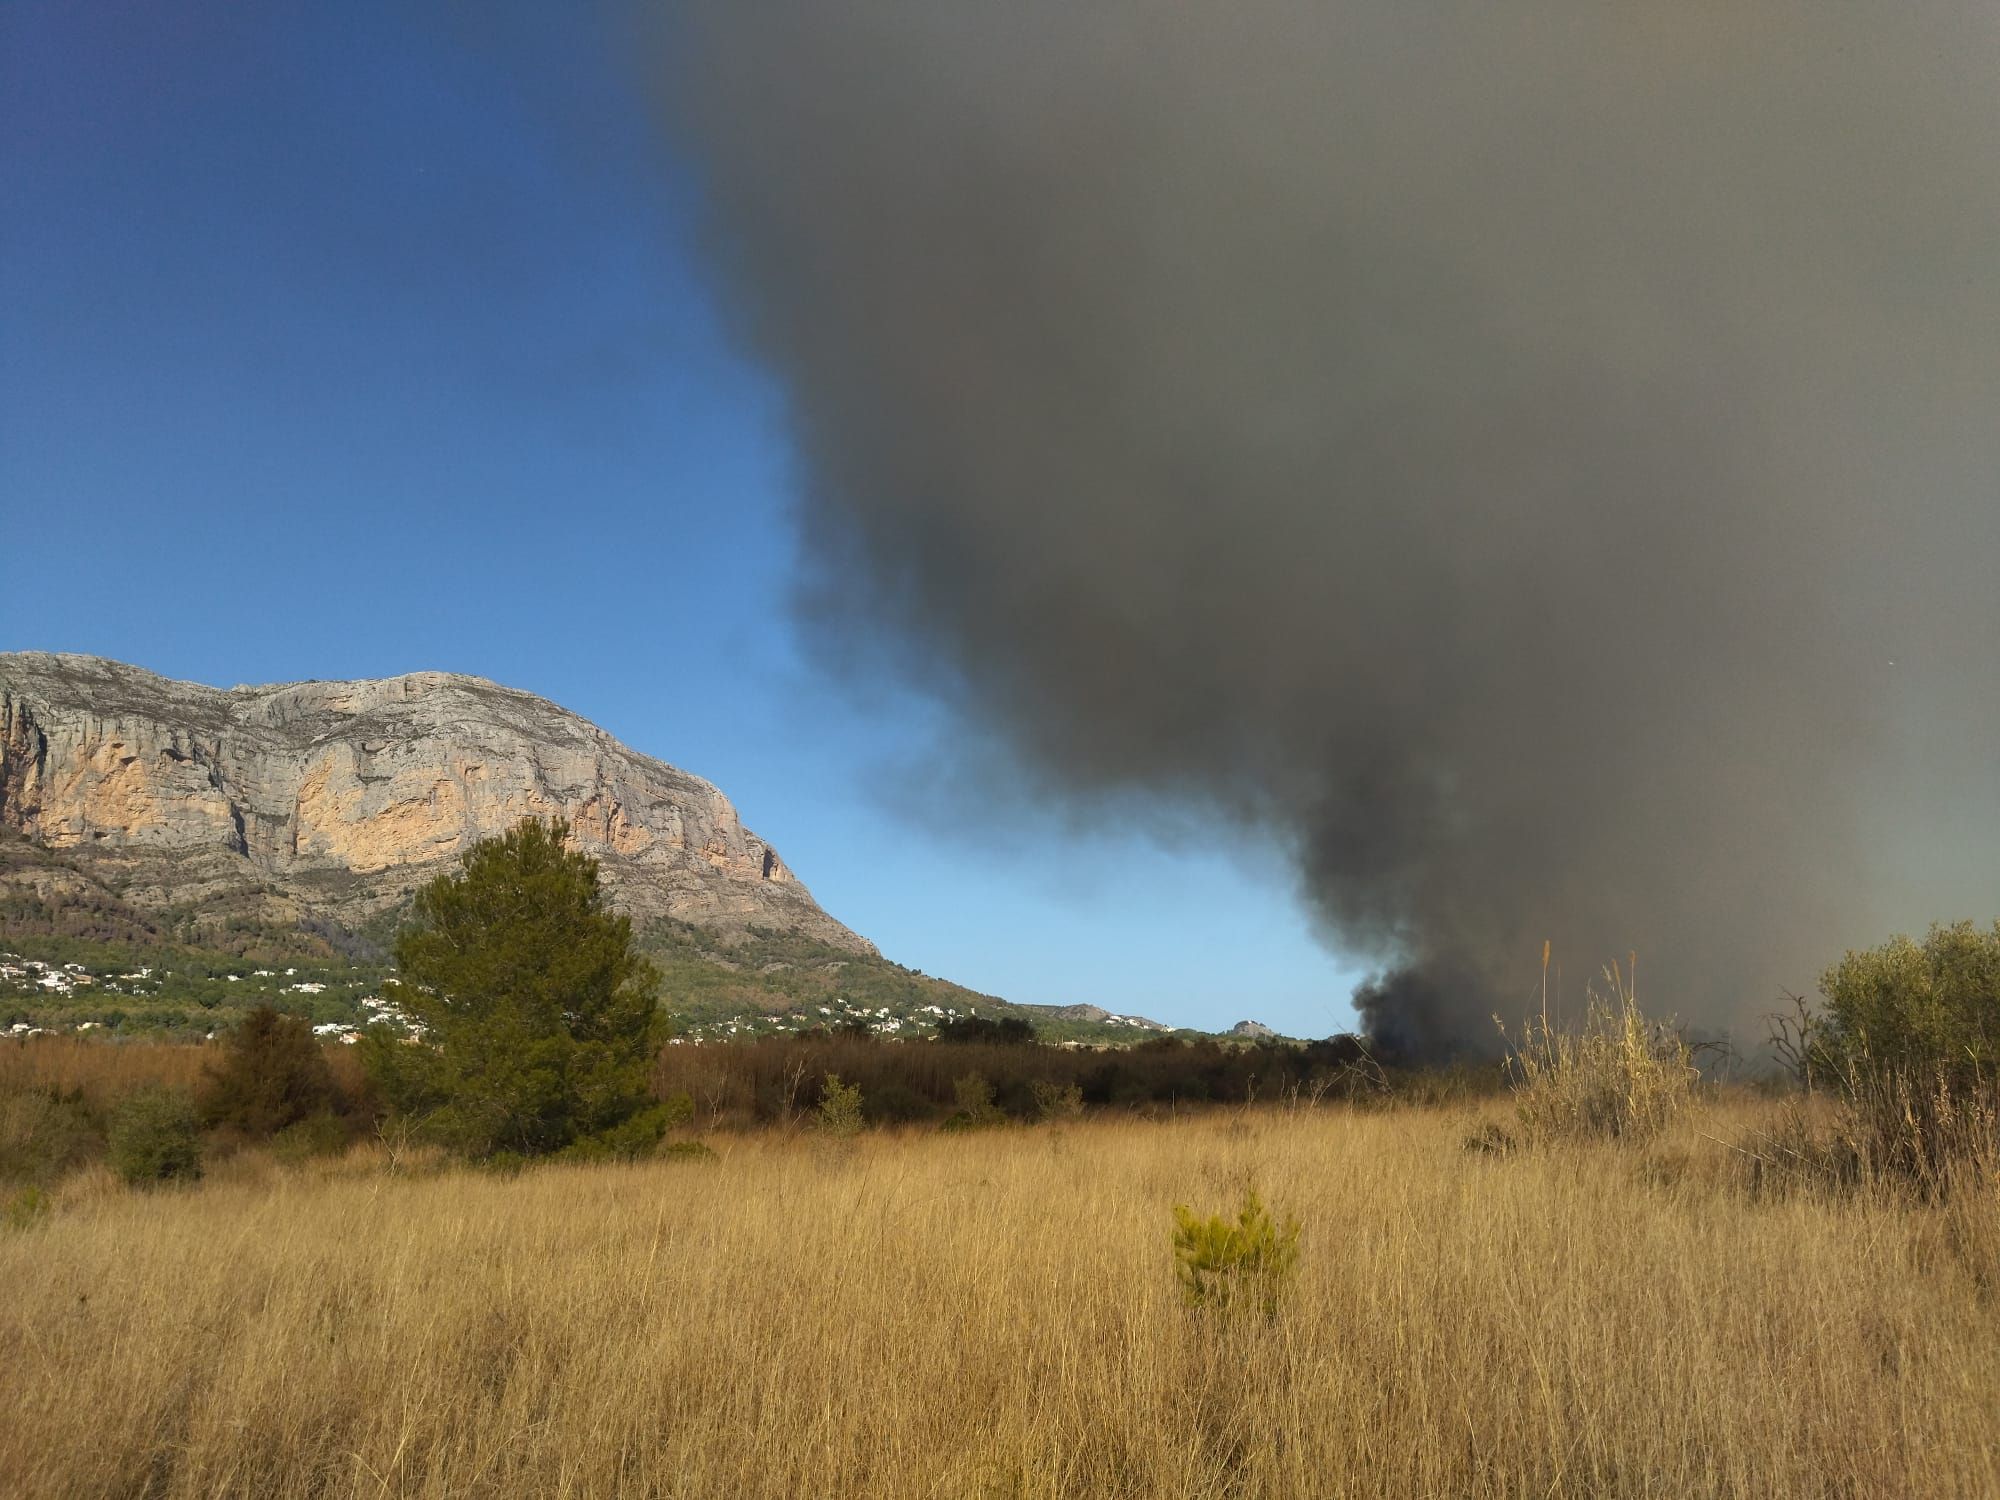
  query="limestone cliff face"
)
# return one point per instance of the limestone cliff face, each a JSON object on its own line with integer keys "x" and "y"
{"x": 335, "y": 799}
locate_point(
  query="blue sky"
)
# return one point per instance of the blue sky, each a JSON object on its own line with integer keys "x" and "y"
{"x": 338, "y": 342}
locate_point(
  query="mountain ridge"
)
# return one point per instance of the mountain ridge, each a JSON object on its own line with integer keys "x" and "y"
{"x": 332, "y": 800}
{"x": 214, "y": 836}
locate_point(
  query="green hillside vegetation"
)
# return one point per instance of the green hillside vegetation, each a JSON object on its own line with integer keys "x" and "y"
{"x": 774, "y": 983}
{"x": 203, "y": 971}
{"x": 177, "y": 973}
{"x": 168, "y": 990}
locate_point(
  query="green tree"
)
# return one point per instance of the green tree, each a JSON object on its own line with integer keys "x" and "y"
{"x": 1911, "y": 1038}
{"x": 534, "y": 1016}
{"x": 1929, "y": 1005}
{"x": 839, "y": 1108}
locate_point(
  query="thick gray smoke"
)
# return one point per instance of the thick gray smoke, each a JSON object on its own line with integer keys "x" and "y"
{"x": 1537, "y": 459}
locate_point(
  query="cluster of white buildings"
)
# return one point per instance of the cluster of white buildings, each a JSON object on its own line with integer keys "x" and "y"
{"x": 879, "y": 1020}
{"x": 59, "y": 979}
{"x": 303, "y": 987}
{"x": 52, "y": 980}
{"x": 377, "y": 1009}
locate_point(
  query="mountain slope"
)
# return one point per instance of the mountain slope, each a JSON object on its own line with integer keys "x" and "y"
{"x": 171, "y": 854}
{"x": 329, "y": 802}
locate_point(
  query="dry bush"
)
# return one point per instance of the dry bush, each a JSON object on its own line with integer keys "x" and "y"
{"x": 59, "y": 1094}
{"x": 769, "y": 1080}
{"x": 44, "y": 1134}
{"x": 1897, "y": 1073}
{"x": 1618, "y": 1075}
{"x": 1931, "y": 1127}
{"x": 1057, "y": 1102}
{"x": 997, "y": 1314}
{"x": 272, "y": 1074}
{"x": 99, "y": 1071}
{"x": 1896, "y": 1128}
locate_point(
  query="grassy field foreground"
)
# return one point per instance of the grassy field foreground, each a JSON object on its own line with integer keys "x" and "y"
{"x": 995, "y": 1314}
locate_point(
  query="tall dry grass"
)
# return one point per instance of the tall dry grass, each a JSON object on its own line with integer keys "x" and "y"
{"x": 103, "y": 1070}
{"x": 997, "y": 1314}
{"x": 1618, "y": 1074}
{"x": 100, "y": 1071}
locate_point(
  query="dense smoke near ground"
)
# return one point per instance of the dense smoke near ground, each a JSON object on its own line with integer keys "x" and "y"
{"x": 1537, "y": 460}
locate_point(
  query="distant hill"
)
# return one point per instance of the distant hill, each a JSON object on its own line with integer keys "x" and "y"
{"x": 217, "y": 839}
{"x": 75, "y": 954}
{"x": 775, "y": 982}
{"x": 332, "y": 801}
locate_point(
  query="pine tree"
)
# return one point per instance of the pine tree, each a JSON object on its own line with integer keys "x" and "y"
{"x": 534, "y": 1014}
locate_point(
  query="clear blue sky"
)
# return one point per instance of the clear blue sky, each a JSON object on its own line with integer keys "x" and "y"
{"x": 336, "y": 341}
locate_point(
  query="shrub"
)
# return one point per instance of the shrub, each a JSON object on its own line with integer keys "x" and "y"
{"x": 839, "y": 1113}
{"x": 976, "y": 1109}
{"x": 319, "y": 1135}
{"x": 1928, "y": 1005}
{"x": 155, "y": 1136}
{"x": 273, "y": 1075}
{"x": 45, "y": 1132}
{"x": 1620, "y": 1075}
{"x": 1908, "y": 1043}
{"x": 1245, "y": 1262}
{"x": 767, "y": 1078}
{"x": 896, "y": 1103}
{"x": 24, "y": 1207}
{"x": 1009, "y": 1030}
{"x": 1055, "y": 1102}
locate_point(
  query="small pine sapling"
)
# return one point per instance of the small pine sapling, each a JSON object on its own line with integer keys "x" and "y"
{"x": 1245, "y": 1262}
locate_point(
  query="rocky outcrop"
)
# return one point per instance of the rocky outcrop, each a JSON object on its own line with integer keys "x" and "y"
{"x": 1095, "y": 1015}
{"x": 334, "y": 800}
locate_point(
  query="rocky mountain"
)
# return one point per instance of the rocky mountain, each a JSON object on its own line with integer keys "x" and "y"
{"x": 1097, "y": 1015}
{"x": 329, "y": 802}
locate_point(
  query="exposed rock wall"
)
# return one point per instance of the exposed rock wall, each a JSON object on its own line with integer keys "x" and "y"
{"x": 335, "y": 799}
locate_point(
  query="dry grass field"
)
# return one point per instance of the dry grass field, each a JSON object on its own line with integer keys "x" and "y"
{"x": 95, "y": 1070}
{"x": 995, "y": 1314}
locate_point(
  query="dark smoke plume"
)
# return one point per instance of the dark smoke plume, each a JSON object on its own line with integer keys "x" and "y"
{"x": 1537, "y": 459}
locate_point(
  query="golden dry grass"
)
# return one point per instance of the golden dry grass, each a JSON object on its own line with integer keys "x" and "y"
{"x": 99, "y": 1070}
{"x": 995, "y": 1314}
{"x": 103, "y": 1070}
